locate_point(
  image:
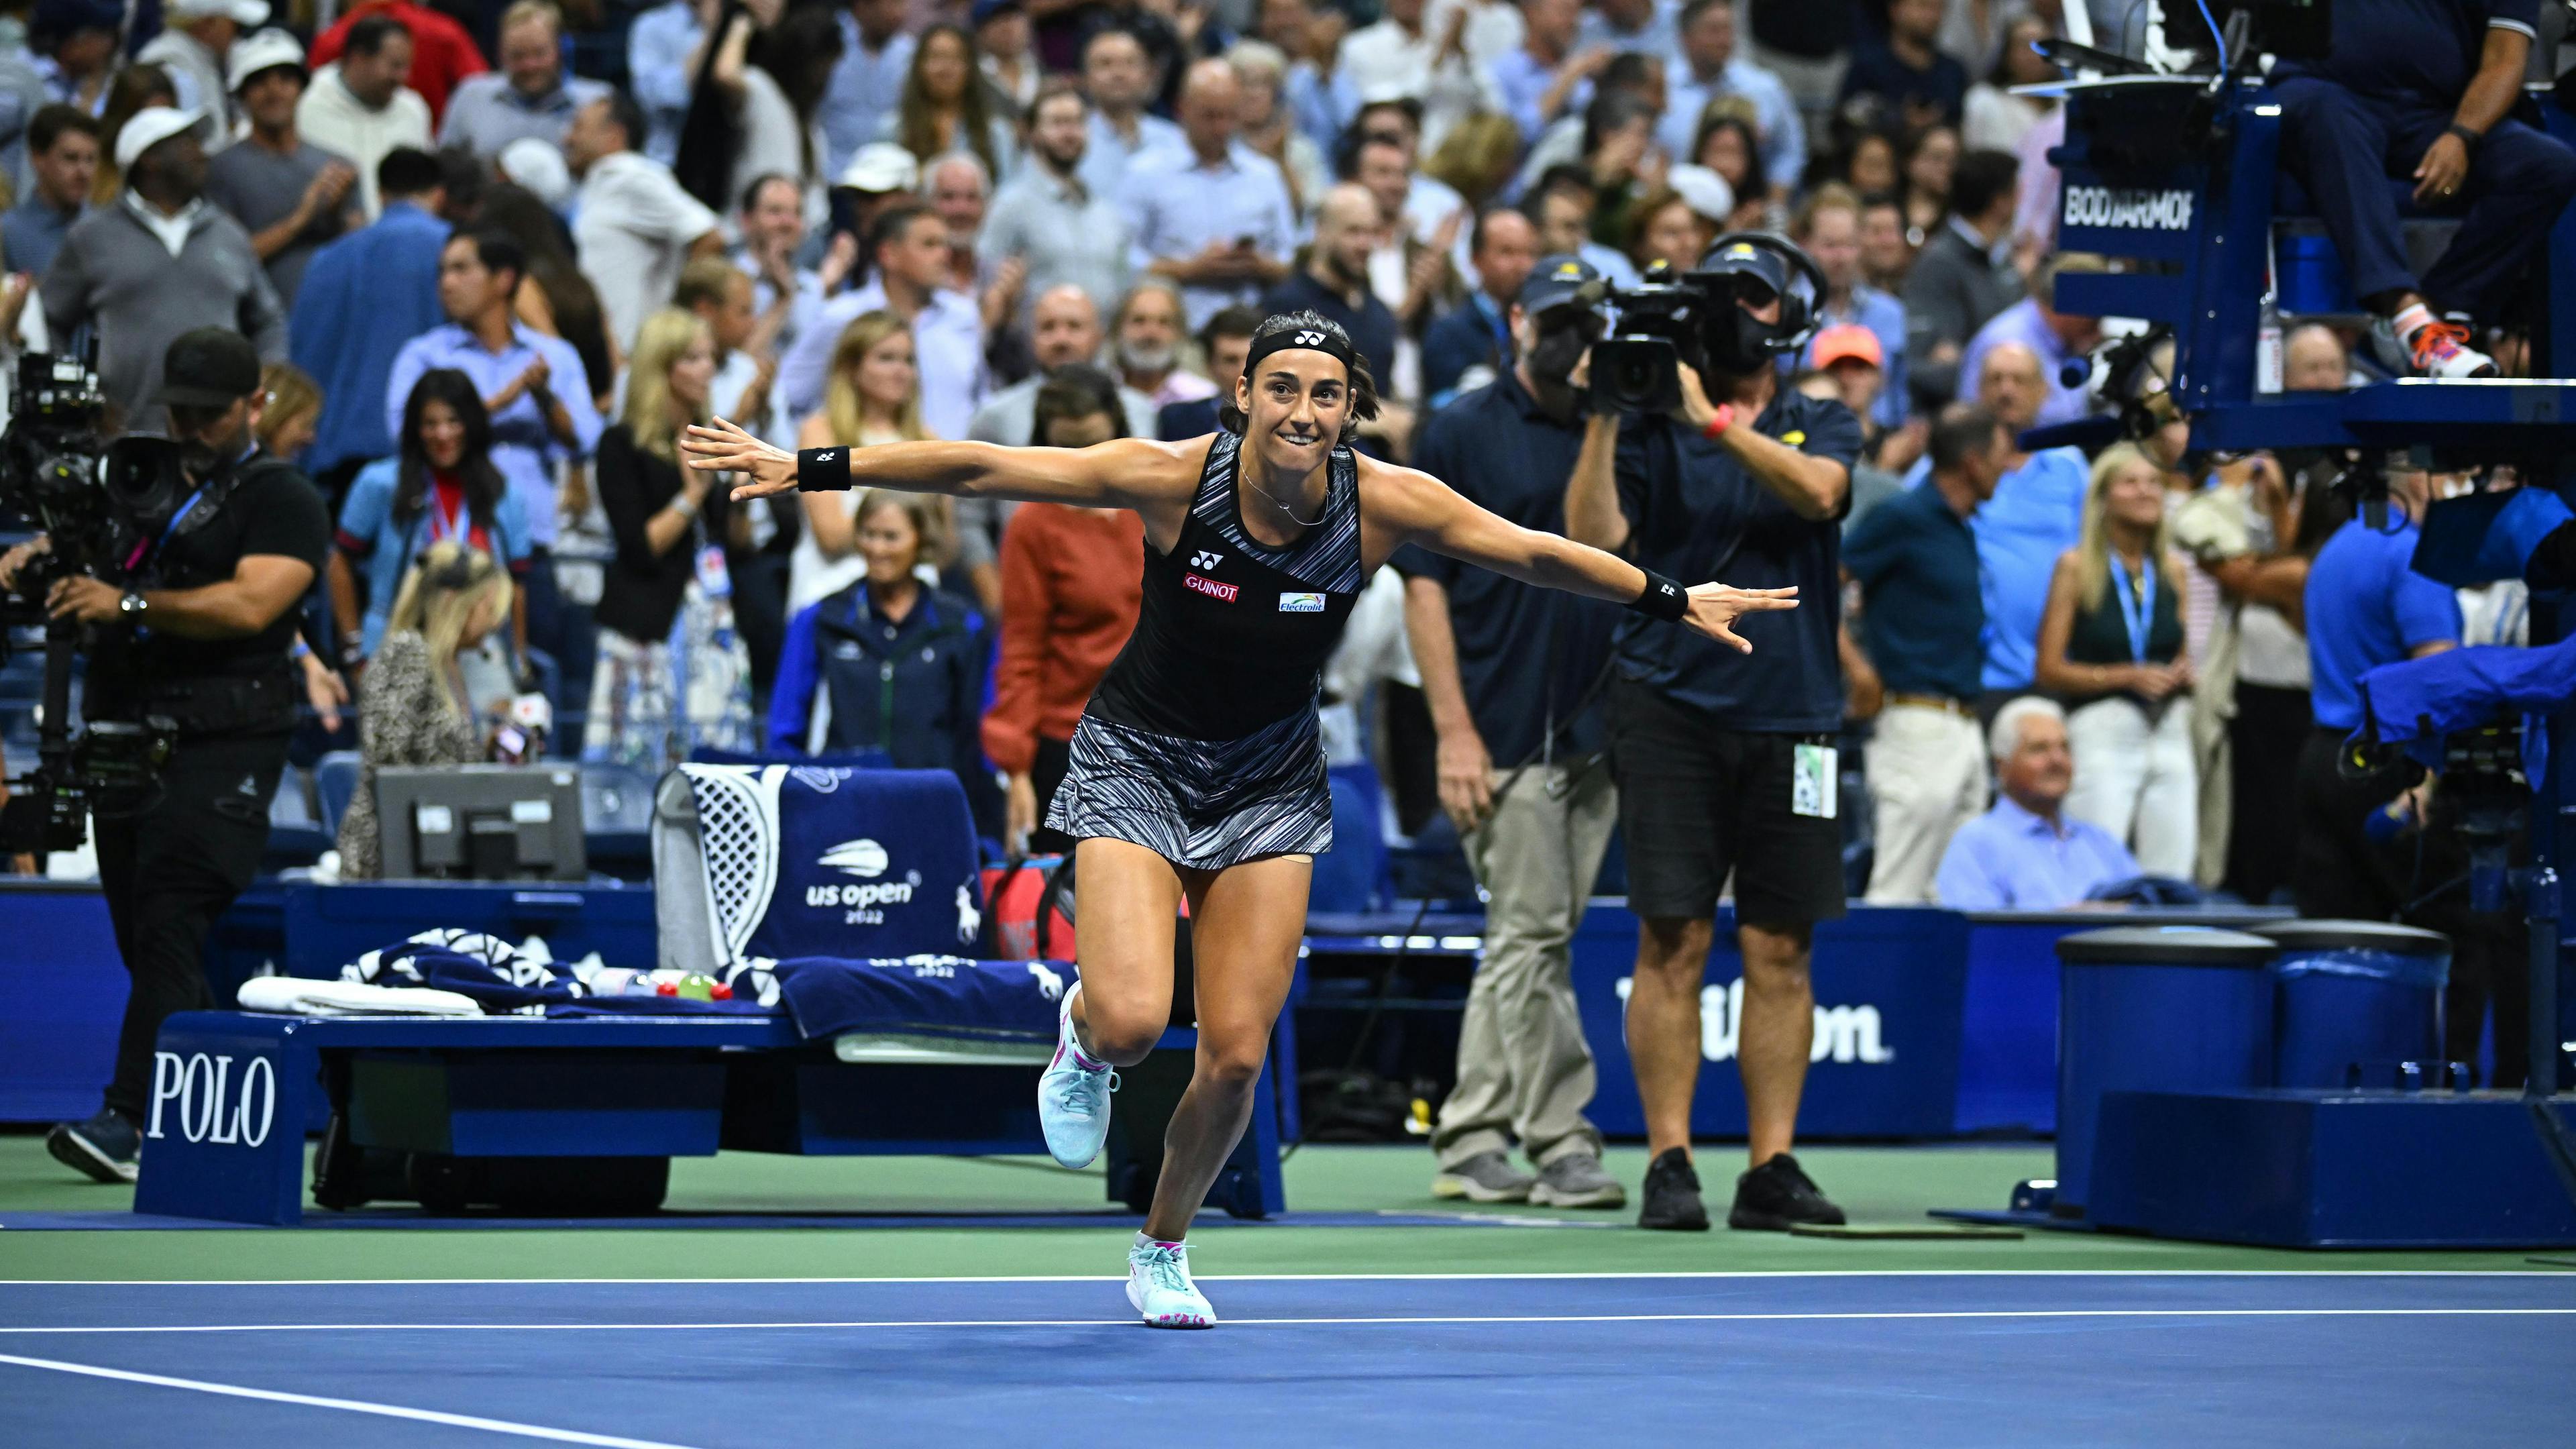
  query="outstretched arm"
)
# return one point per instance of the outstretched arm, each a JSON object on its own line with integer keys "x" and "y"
{"x": 1128, "y": 473}
{"x": 1413, "y": 507}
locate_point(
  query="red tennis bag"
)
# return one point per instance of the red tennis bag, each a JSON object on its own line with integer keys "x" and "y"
{"x": 1029, "y": 905}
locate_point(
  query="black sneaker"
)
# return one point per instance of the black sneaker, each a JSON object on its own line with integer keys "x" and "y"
{"x": 104, "y": 1147}
{"x": 1672, "y": 1196}
{"x": 1777, "y": 1194}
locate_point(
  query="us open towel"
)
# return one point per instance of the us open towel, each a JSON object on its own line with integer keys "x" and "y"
{"x": 944, "y": 996}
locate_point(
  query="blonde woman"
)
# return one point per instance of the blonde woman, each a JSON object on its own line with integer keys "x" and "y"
{"x": 414, "y": 706}
{"x": 294, "y": 409}
{"x": 672, "y": 672}
{"x": 2111, "y": 647}
{"x": 872, "y": 396}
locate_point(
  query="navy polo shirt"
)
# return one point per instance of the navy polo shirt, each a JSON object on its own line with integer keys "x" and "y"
{"x": 1527, "y": 657}
{"x": 2366, "y": 606}
{"x": 1695, "y": 515}
{"x": 2423, "y": 51}
{"x": 1370, "y": 324}
{"x": 1916, "y": 561}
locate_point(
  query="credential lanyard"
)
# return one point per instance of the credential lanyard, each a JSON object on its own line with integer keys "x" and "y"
{"x": 2137, "y": 605}
{"x": 152, "y": 546}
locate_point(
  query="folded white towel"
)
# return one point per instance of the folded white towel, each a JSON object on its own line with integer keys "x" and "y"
{"x": 300, "y": 996}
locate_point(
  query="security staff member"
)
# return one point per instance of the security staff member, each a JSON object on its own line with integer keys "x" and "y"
{"x": 203, "y": 640}
{"x": 2421, "y": 89}
{"x": 1725, "y": 764}
{"x": 1509, "y": 672}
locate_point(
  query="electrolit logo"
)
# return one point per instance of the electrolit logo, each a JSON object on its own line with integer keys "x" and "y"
{"x": 1843, "y": 1033}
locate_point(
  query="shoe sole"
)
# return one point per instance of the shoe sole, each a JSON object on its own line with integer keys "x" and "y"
{"x": 1696, "y": 1223}
{"x": 74, "y": 1151}
{"x": 1613, "y": 1196}
{"x": 1474, "y": 1191}
{"x": 1169, "y": 1320}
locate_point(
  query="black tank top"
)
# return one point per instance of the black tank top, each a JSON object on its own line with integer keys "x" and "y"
{"x": 1233, "y": 634}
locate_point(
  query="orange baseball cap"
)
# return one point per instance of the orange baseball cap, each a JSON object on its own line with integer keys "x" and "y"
{"x": 1848, "y": 342}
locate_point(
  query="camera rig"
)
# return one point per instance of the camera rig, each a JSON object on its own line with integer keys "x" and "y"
{"x": 55, "y": 477}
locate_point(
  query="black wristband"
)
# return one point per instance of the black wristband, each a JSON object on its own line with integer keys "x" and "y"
{"x": 1663, "y": 599}
{"x": 823, "y": 470}
{"x": 2468, "y": 138}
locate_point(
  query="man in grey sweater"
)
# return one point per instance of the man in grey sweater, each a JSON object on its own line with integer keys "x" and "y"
{"x": 1965, "y": 274}
{"x": 157, "y": 263}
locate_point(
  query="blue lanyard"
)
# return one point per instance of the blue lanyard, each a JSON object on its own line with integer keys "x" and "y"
{"x": 152, "y": 548}
{"x": 2137, "y": 606}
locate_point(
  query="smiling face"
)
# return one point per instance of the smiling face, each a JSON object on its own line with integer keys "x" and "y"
{"x": 889, "y": 543}
{"x": 442, "y": 435}
{"x": 887, "y": 373}
{"x": 270, "y": 97}
{"x": 2135, "y": 495}
{"x": 532, "y": 56}
{"x": 1293, "y": 406}
{"x": 692, "y": 371}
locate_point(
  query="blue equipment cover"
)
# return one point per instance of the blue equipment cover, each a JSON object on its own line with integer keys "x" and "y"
{"x": 2416, "y": 704}
{"x": 812, "y": 860}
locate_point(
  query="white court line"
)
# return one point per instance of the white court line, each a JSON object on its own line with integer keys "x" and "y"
{"x": 1752, "y": 1273}
{"x": 355, "y": 1406}
{"x": 1403, "y": 1319}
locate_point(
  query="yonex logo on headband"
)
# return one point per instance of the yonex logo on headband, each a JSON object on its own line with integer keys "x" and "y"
{"x": 1309, "y": 339}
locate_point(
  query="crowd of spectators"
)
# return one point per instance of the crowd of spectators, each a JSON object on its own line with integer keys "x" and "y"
{"x": 503, "y": 254}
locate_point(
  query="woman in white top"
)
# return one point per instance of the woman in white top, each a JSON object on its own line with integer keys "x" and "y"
{"x": 873, "y": 396}
{"x": 1996, "y": 119}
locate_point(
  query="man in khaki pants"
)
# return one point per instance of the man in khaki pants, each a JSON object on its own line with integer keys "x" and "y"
{"x": 1922, "y": 623}
{"x": 1509, "y": 673}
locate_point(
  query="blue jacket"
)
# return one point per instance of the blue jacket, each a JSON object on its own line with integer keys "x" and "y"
{"x": 368, "y": 533}
{"x": 1465, "y": 335}
{"x": 914, "y": 691}
{"x": 363, "y": 297}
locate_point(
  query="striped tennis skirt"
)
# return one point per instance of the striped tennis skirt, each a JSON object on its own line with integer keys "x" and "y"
{"x": 1206, "y": 804}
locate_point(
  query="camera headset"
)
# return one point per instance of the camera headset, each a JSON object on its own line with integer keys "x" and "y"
{"x": 1736, "y": 341}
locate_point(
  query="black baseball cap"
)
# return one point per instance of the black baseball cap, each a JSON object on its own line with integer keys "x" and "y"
{"x": 211, "y": 367}
{"x": 1743, "y": 259}
{"x": 1555, "y": 281}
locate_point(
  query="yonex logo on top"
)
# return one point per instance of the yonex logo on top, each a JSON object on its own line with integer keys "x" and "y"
{"x": 1310, "y": 339}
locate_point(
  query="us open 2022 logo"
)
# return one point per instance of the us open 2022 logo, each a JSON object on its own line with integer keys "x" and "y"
{"x": 213, "y": 1106}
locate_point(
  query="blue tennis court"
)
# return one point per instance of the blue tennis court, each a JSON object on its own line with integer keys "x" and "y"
{"x": 1830, "y": 1358}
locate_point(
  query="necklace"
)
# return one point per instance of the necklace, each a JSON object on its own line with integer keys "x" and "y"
{"x": 1291, "y": 512}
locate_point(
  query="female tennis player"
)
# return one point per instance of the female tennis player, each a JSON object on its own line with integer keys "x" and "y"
{"x": 1197, "y": 771}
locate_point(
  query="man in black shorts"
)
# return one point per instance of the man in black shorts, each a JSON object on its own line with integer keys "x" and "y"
{"x": 1725, "y": 763}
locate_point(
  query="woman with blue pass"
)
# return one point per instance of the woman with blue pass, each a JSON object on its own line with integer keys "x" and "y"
{"x": 1196, "y": 770}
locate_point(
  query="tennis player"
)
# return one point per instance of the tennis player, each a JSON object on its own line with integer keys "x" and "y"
{"x": 1197, "y": 770}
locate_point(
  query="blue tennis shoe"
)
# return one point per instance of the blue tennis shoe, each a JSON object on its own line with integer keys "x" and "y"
{"x": 1073, "y": 1095}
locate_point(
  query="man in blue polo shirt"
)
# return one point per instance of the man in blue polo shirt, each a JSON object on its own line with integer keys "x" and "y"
{"x": 1725, "y": 763}
{"x": 1509, "y": 672}
{"x": 2365, "y": 607}
{"x": 1923, "y": 624}
{"x": 2421, "y": 90}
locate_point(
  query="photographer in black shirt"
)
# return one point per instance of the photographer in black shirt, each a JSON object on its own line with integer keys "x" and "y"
{"x": 198, "y": 634}
{"x": 1725, "y": 762}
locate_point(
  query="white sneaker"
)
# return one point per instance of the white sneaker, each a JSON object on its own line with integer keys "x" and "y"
{"x": 1158, "y": 1284}
{"x": 2439, "y": 348}
{"x": 1073, "y": 1095}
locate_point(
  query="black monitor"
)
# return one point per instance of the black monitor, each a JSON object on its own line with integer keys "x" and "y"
{"x": 2299, "y": 29}
{"x": 481, "y": 822}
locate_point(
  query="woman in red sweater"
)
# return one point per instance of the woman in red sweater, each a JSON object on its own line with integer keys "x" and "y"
{"x": 1072, "y": 579}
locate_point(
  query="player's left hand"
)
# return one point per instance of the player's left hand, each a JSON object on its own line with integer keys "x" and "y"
{"x": 1714, "y": 608}
{"x": 84, "y": 600}
{"x": 2444, "y": 167}
{"x": 723, "y": 447}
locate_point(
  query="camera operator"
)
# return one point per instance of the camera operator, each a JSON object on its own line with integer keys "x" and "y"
{"x": 199, "y": 635}
{"x": 1726, "y": 764}
{"x": 1509, "y": 674}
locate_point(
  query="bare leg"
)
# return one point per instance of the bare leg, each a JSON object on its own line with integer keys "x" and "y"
{"x": 1245, "y": 923}
{"x": 1123, "y": 938}
{"x": 1777, "y": 1031}
{"x": 1664, "y": 1027}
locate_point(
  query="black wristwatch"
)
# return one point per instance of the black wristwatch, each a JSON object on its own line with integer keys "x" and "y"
{"x": 2468, "y": 138}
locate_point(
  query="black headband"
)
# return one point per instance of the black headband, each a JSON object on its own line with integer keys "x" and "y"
{"x": 1311, "y": 339}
